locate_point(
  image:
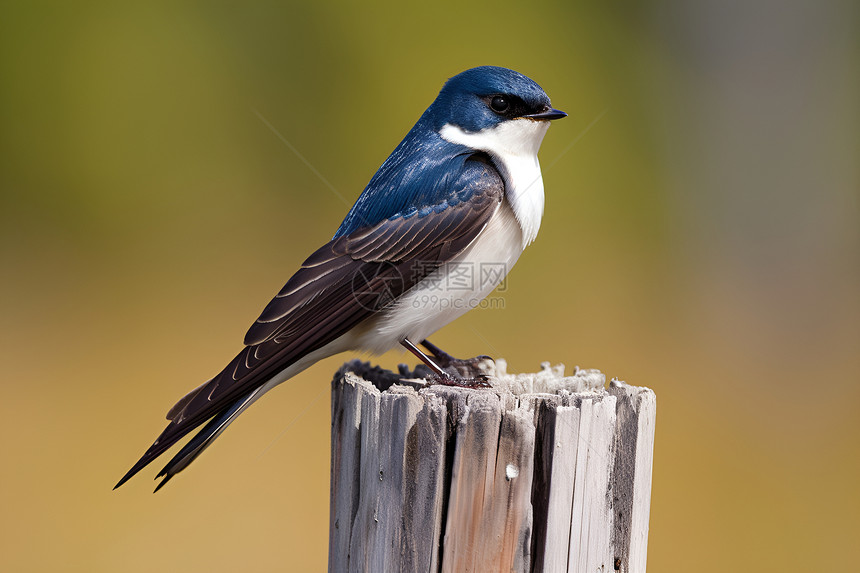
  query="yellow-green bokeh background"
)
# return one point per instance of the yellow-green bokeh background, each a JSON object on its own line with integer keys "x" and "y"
{"x": 702, "y": 237}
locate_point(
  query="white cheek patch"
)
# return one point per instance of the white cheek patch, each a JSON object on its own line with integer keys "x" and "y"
{"x": 514, "y": 145}
{"x": 512, "y": 137}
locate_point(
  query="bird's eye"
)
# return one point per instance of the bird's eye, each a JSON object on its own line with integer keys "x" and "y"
{"x": 499, "y": 104}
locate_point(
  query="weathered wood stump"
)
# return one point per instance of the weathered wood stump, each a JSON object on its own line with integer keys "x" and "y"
{"x": 543, "y": 472}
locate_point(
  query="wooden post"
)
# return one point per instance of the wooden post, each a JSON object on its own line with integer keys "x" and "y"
{"x": 543, "y": 472}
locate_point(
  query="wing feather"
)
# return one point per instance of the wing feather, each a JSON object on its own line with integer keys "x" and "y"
{"x": 320, "y": 302}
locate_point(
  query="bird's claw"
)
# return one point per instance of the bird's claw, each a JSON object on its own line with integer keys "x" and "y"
{"x": 479, "y": 381}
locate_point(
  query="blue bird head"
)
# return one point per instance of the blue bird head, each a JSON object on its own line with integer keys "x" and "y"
{"x": 493, "y": 110}
{"x": 486, "y": 96}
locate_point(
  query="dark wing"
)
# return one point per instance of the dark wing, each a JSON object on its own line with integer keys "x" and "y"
{"x": 343, "y": 283}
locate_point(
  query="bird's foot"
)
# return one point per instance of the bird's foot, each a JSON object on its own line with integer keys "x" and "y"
{"x": 465, "y": 367}
{"x": 446, "y": 370}
{"x": 479, "y": 381}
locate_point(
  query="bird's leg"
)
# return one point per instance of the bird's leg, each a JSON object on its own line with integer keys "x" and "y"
{"x": 440, "y": 355}
{"x": 423, "y": 357}
{"x": 442, "y": 377}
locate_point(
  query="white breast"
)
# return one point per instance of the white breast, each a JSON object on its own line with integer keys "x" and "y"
{"x": 450, "y": 291}
{"x": 513, "y": 145}
{"x": 444, "y": 296}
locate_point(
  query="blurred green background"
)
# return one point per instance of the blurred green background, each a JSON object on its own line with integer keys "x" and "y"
{"x": 702, "y": 238}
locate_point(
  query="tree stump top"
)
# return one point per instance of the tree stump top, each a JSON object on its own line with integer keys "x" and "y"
{"x": 541, "y": 472}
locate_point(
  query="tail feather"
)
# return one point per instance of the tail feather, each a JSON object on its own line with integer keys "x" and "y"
{"x": 206, "y": 436}
{"x": 171, "y": 434}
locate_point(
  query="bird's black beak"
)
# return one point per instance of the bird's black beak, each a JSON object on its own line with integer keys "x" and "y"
{"x": 548, "y": 113}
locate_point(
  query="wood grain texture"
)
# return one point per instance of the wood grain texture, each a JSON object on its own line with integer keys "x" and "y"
{"x": 544, "y": 472}
{"x": 634, "y": 436}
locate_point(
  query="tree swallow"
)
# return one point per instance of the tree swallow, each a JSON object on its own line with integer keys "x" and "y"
{"x": 462, "y": 193}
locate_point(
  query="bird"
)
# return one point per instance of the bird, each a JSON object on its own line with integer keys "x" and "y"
{"x": 462, "y": 191}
